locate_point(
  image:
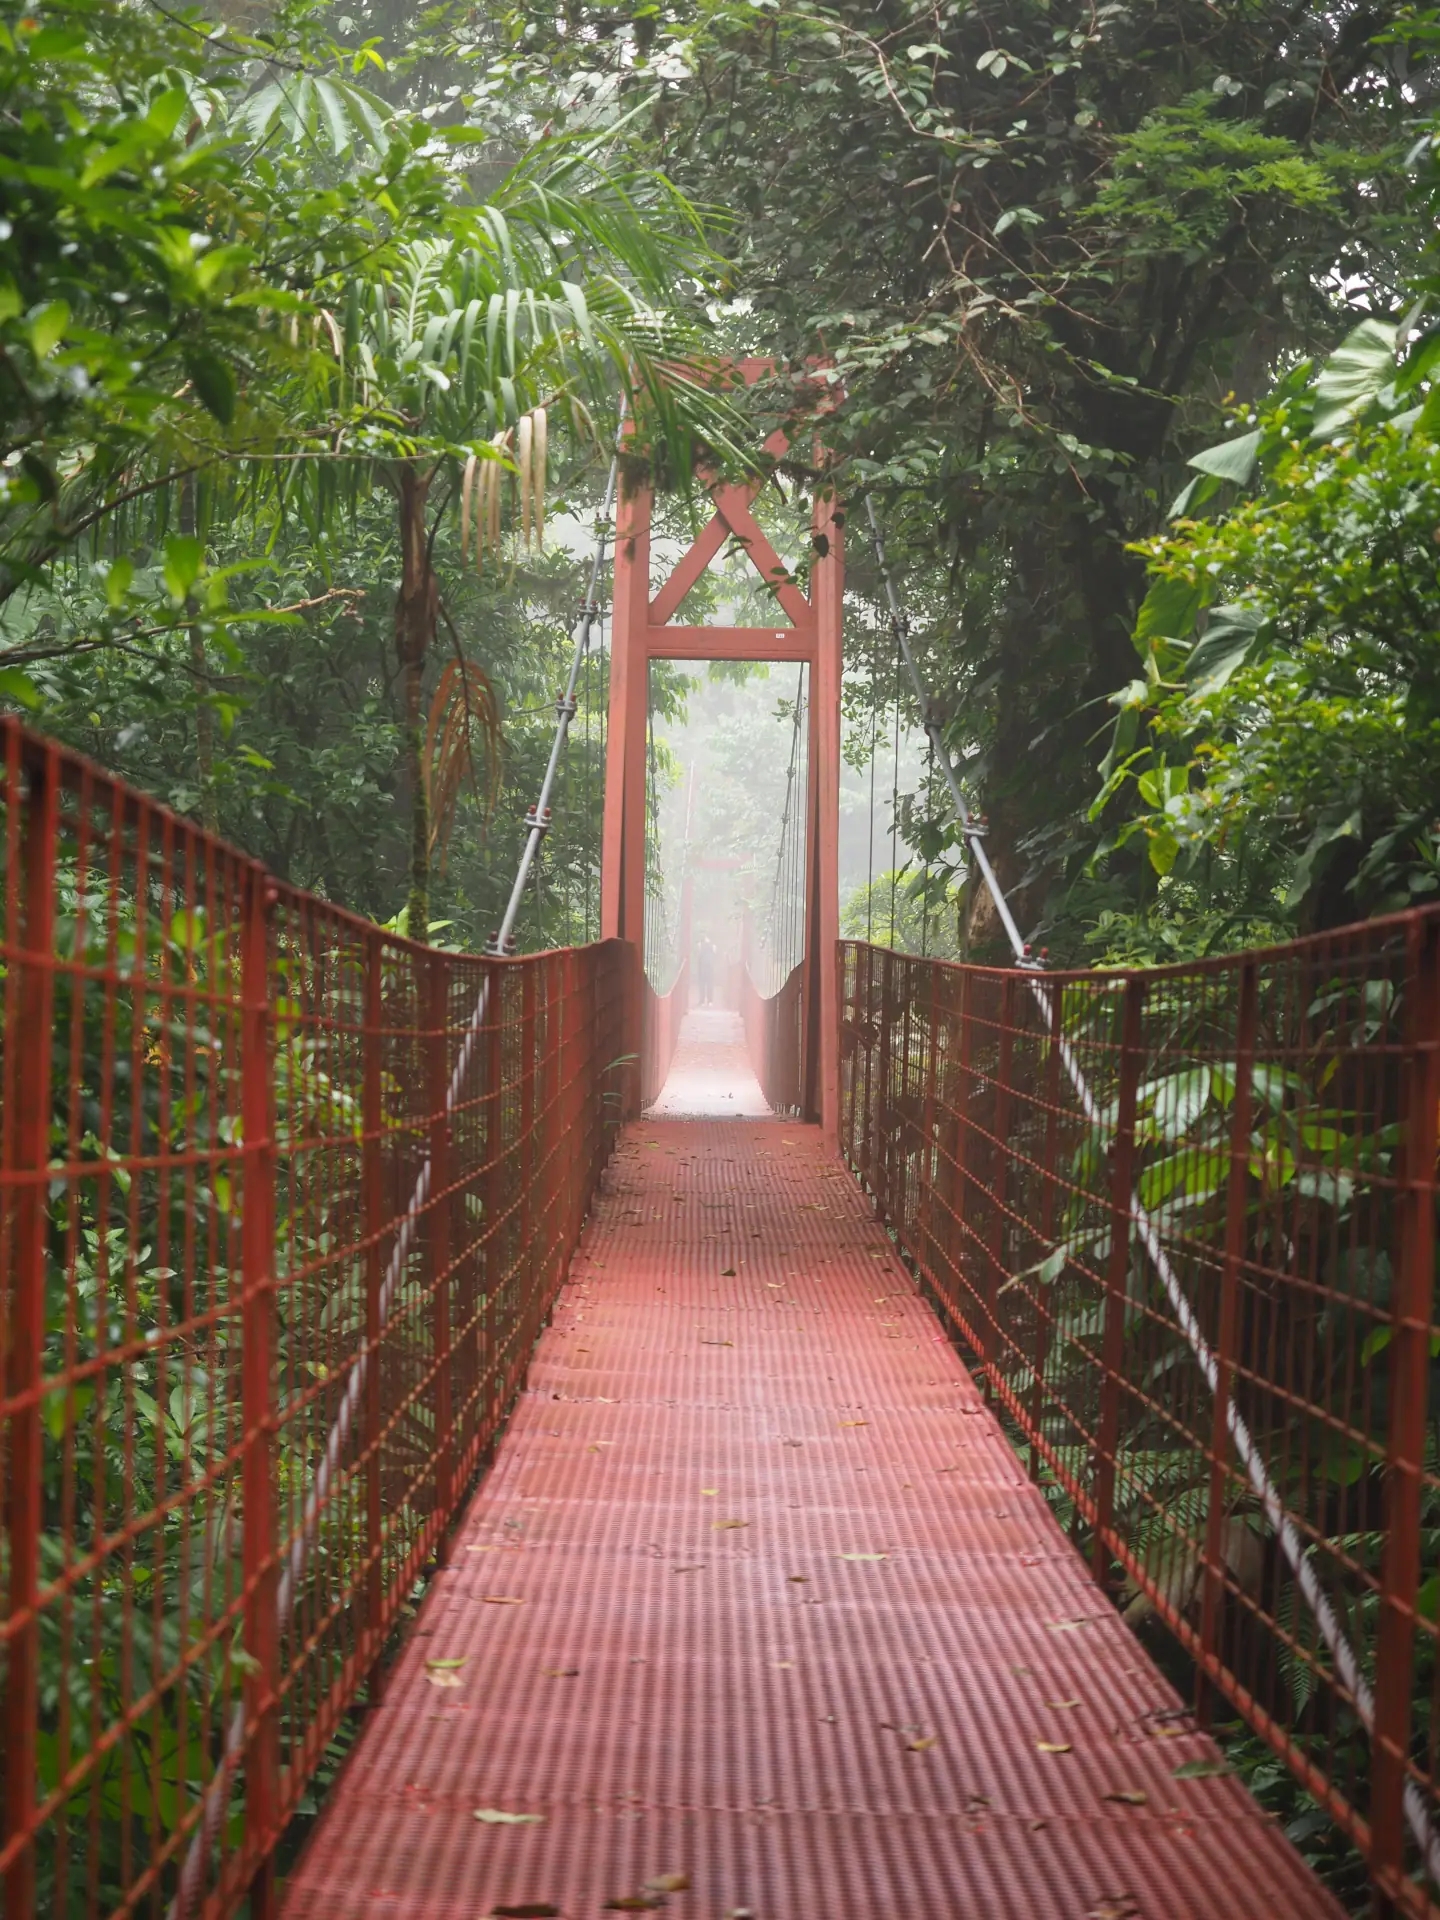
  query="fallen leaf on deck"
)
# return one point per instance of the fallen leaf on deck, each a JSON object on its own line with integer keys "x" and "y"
{"x": 502, "y": 1599}
{"x": 1052, "y": 1746}
{"x": 698, "y": 1567}
{"x": 1065, "y": 1626}
{"x": 494, "y": 1549}
{"x": 1127, "y": 1796}
{"x": 438, "y": 1664}
{"x": 923, "y": 1744}
{"x": 862, "y": 1556}
{"x": 525, "y": 1910}
{"x": 719, "y": 1526}
{"x": 1114, "y": 1906}
{"x": 669, "y": 1883}
{"x": 715, "y": 1343}
{"x": 708, "y": 1493}
{"x": 497, "y": 1817}
{"x": 798, "y": 1579}
{"x": 1201, "y": 1769}
{"x": 635, "y": 1903}
{"x": 727, "y": 1273}
{"x": 1062, "y": 1706}
{"x": 854, "y": 1423}
{"x": 562, "y": 1673}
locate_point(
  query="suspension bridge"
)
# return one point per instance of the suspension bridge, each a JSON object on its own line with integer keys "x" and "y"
{"x": 485, "y": 1436}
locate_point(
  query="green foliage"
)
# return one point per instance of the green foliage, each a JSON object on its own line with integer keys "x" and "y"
{"x": 1039, "y": 244}
{"x": 1292, "y": 696}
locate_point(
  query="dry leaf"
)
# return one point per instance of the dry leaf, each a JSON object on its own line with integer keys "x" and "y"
{"x": 923, "y": 1744}
{"x": 492, "y": 1549}
{"x": 498, "y": 1817}
{"x": 502, "y": 1599}
{"x": 1127, "y": 1796}
{"x": 854, "y": 1423}
{"x": 1052, "y": 1746}
{"x": 862, "y": 1556}
{"x": 437, "y": 1665}
{"x": 669, "y": 1883}
{"x": 720, "y": 1526}
{"x": 1065, "y": 1626}
{"x": 698, "y": 1567}
{"x": 1114, "y": 1906}
{"x": 727, "y": 1273}
{"x": 562, "y": 1673}
{"x": 1062, "y": 1706}
{"x": 525, "y": 1910}
{"x": 444, "y": 1678}
{"x": 709, "y": 1493}
{"x": 715, "y": 1343}
{"x": 1201, "y": 1770}
{"x": 635, "y": 1903}
{"x": 798, "y": 1579}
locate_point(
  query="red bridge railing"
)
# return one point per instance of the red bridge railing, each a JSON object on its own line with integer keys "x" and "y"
{"x": 1185, "y": 1222}
{"x": 284, "y": 1202}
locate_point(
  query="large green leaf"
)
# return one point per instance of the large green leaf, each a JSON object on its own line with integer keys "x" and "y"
{"x": 1231, "y": 460}
{"x": 1354, "y": 376}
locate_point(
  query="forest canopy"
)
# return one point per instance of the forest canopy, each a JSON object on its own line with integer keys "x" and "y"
{"x": 310, "y": 314}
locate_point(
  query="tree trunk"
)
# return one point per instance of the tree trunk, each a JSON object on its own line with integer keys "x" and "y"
{"x": 416, "y": 608}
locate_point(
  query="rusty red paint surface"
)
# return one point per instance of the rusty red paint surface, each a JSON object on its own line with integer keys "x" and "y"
{"x": 834, "y": 1707}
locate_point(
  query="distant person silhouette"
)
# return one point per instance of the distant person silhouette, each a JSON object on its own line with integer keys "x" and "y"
{"x": 705, "y": 969}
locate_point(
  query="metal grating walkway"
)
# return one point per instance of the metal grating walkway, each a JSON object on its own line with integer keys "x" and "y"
{"x": 756, "y": 1593}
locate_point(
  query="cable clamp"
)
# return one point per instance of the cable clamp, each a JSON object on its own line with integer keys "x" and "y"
{"x": 973, "y": 830}
{"x": 538, "y": 821}
{"x": 566, "y": 709}
{"x": 497, "y": 949}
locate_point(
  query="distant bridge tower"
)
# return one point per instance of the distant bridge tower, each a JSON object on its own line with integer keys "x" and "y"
{"x": 807, "y": 628}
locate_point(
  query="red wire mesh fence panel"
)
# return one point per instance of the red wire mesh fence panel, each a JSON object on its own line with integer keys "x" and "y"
{"x": 1185, "y": 1221}
{"x": 284, "y": 1201}
{"x": 661, "y": 1017}
{"x": 774, "y": 1035}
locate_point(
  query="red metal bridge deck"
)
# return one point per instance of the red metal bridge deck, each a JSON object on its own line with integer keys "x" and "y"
{"x": 757, "y": 1594}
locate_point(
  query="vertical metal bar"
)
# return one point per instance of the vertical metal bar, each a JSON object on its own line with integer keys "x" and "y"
{"x": 1227, "y": 1322}
{"x": 438, "y": 1242}
{"x": 999, "y": 1157}
{"x": 574, "y": 1150}
{"x": 529, "y": 1073}
{"x": 1050, "y": 1176}
{"x": 494, "y": 1224}
{"x": 964, "y": 1101}
{"x": 1117, "y": 1269}
{"x": 884, "y": 1115}
{"x": 1409, "y": 1364}
{"x": 28, "y": 1092}
{"x": 926, "y": 1162}
{"x": 257, "y": 1392}
{"x": 865, "y": 1037}
{"x": 372, "y": 1179}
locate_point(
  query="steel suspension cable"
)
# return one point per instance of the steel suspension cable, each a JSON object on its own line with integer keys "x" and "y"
{"x": 293, "y": 1566}
{"x": 1346, "y": 1660}
{"x": 772, "y": 922}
